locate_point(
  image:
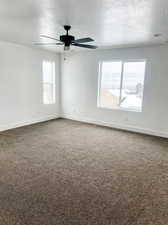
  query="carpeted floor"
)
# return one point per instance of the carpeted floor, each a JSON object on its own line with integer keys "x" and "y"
{"x": 64, "y": 172}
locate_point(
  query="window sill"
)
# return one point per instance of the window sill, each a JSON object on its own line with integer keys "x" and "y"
{"x": 120, "y": 109}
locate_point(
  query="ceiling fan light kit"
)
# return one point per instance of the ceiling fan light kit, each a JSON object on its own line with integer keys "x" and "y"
{"x": 69, "y": 40}
{"x": 66, "y": 48}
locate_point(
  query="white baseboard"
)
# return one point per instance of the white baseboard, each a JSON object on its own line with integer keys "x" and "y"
{"x": 116, "y": 126}
{"x": 29, "y": 122}
{"x": 85, "y": 120}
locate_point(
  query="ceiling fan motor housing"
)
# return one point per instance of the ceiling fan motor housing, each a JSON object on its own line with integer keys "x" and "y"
{"x": 67, "y": 39}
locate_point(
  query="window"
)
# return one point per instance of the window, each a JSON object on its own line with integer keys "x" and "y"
{"x": 121, "y": 85}
{"x": 48, "y": 82}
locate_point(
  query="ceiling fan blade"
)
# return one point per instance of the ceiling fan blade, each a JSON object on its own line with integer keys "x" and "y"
{"x": 45, "y": 36}
{"x": 85, "y": 46}
{"x": 83, "y": 40}
{"x": 48, "y": 43}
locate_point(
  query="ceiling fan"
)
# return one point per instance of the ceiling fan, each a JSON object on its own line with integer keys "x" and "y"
{"x": 68, "y": 40}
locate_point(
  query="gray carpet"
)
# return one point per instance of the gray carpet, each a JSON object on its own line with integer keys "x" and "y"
{"x": 64, "y": 172}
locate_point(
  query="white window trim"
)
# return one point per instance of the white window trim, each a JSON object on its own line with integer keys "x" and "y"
{"x": 53, "y": 85}
{"x": 121, "y": 83}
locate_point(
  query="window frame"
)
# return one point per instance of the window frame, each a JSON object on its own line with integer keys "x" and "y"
{"x": 123, "y": 61}
{"x": 51, "y": 84}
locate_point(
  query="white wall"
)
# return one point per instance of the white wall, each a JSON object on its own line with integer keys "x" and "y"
{"x": 21, "y": 86}
{"x": 80, "y": 84}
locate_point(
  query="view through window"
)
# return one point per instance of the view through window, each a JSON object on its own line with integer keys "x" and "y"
{"x": 121, "y": 85}
{"x": 48, "y": 82}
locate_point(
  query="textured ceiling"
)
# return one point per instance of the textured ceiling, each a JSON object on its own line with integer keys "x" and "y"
{"x": 111, "y": 23}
